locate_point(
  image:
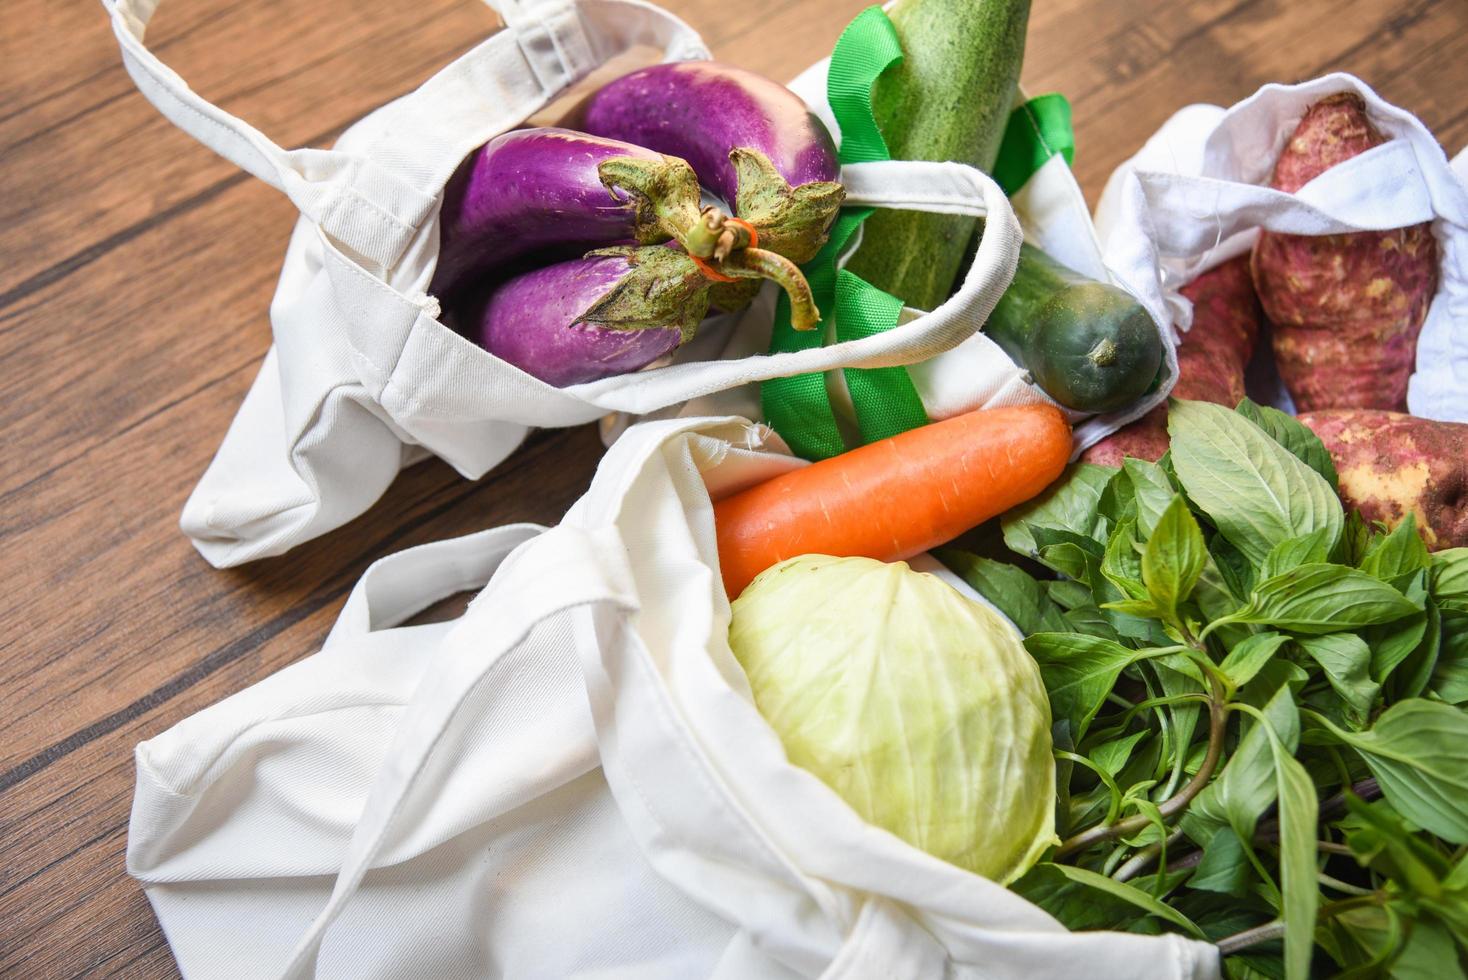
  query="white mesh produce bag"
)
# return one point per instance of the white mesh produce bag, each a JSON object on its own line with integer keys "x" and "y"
{"x": 1196, "y": 194}
{"x": 363, "y": 377}
{"x": 570, "y": 780}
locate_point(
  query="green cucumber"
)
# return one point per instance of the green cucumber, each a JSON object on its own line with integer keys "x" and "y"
{"x": 1087, "y": 344}
{"x": 949, "y": 99}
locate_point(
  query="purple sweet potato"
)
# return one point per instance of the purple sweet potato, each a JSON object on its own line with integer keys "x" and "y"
{"x": 1391, "y": 464}
{"x": 1346, "y": 309}
{"x": 1211, "y": 358}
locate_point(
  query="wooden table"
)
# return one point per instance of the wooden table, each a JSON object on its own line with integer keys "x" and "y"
{"x": 135, "y": 273}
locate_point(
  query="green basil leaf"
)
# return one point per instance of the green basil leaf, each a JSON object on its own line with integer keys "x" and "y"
{"x": 1298, "y": 816}
{"x": 1245, "y": 659}
{"x": 1252, "y": 966}
{"x": 1452, "y": 905}
{"x": 1066, "y": 558}
{"x": 1247, "y": 785}
{"x": 1179, "y": 675}
{"x": 1122, "y": 565}
{"x": 1225, "y": 867}
{"x": 1387, "y": 844}
{"x": 1450, "y": 674}
{"x": 1113, "y": 755}
{"x": 1173, "y": 557}
{"x": 1427, "y": 954}
{"x": 1075, "y": 906}
{"x": 1129, "y": 894}
{"x": 1415, "y": 671}
{"x": 1236, "y": 571}
{"x": 1391, "y": 556}
{"x": 1071, "y": 503}
{"x": 1346, "y": 660}
{"x": 1144, "y": 608}
{"x": 1152, "y": 491}
{"x": 1046, "y": 537}
{"x": 1079, "y": 671}
{"x": 1392, "y": 643}
{"x": 1374, "y": 934}
{"x": 1416, "y": 752}
{"x": 1292, "y": 434}
{"x": 1118, "y": 501}
{"x": 1255, "y": 491}
{"x": 1356, "y": 537}
{"x": 1322, "y": 598}
{"x": 1065, "y": 551}
{"x": 1450, "y": 579}
{"x": 1012, "y": 590}
{"x": 1068, "y": 594}
{"x": 1091, "y": 621}
{"x": 1293, "y": 552}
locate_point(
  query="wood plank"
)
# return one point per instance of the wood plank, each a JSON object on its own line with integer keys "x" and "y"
{"x": 320, "y": 74}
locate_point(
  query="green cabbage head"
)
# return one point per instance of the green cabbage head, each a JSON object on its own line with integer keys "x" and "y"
{"x": 916, "y": 704}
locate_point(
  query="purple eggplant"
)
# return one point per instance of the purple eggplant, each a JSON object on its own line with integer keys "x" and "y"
{"x": 614, "y": 310}
{"x": 751, "y": 141}
{"x": 533, "y": 189}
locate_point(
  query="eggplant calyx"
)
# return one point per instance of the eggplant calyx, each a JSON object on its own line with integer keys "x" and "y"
{"x": 665, "y": 194}
{"x": 759, "y": 263}
{"x": 663, "y": 290}
{"x": 790, "y": 220}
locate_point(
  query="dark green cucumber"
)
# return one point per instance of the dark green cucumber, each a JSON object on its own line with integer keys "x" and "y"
{"x": 949, "y": 99}
{"x": 1088, "y": 344}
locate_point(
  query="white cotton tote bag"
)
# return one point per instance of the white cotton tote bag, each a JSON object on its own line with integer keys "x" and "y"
{"x": 569, "y": 781}
{"x": 363, "y": 378}
{"x": 1197, "y": 193}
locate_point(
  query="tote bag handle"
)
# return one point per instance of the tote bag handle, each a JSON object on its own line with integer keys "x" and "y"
{"x": 405, "y": 583}
{"x": 375, "y": 189}
{"x": 560, "y": 569}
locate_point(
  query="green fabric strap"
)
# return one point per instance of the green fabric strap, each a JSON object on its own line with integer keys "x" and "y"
{"x": 1036, "y": 131}
{"x": 885, "y": 400}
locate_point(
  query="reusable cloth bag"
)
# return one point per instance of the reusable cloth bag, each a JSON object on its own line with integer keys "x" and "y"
{"x": 1196, "y": 194}
{"x": 363, "y": 378}
{"x": 570, "y": 780}
{"x": 976, "y": 373}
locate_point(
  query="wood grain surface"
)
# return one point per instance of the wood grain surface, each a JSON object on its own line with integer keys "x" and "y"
{"x": 135, "y": 273}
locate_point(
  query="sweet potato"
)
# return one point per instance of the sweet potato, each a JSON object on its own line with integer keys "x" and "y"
{"x": 1391, "y": 464}
{"x": 1211, "y": 358}
{"x": 1346, "y": 309}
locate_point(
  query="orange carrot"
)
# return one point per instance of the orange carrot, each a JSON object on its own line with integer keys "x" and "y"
{"x": 895, "y": 498}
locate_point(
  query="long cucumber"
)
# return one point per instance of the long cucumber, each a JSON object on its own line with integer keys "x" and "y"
{"x": 948, "y": 99}
{"x": 1089, "y": 345}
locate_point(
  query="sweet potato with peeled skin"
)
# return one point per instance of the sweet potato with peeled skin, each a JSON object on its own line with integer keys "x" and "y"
{"x": 1346, "y": 309}
{"x": 1210, "y": 357}
{"x": 1391, "y": 464}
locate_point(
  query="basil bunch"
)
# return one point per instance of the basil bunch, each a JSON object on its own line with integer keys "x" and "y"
{"x": 1258, "y": 702}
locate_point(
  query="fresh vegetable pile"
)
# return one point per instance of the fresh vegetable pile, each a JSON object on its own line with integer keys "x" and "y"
{"x": 579, "y": 254}
{"x": 1237, "y": 710}
{"x": 1257, "y": 700}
